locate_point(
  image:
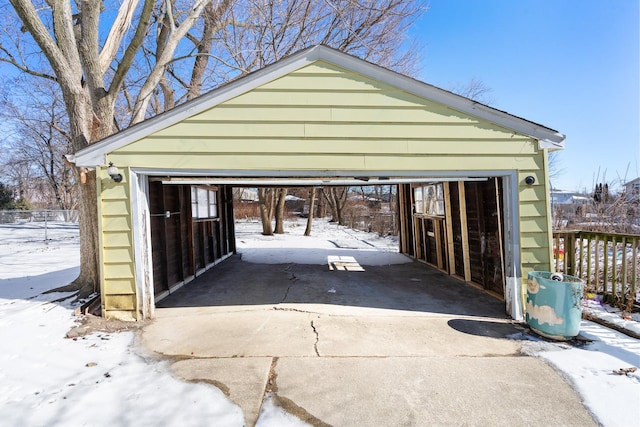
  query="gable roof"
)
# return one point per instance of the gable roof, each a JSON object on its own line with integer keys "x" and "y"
{"x": 95, "y": 154}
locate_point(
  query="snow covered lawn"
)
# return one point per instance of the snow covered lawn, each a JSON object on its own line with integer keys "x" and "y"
{"x": 104, "y": 379}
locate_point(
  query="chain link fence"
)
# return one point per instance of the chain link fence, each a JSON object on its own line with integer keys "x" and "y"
{"x": 48, "y": 221}
{"x": 19, "y": 217}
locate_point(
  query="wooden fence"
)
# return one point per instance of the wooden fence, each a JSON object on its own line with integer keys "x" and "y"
{"x": 607, "y": 262}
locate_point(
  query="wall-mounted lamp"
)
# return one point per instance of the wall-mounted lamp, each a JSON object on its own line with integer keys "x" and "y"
{"x": 530, "y": 180}
{"x": 114, "y": 173}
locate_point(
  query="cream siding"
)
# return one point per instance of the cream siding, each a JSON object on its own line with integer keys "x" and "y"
{"x": 325, "y": 118}
{"x": 117, "y": 261}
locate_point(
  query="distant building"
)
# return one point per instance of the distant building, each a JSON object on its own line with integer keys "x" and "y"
{"x": 245, "y": 194}
{"x": 562, "y": 197}
{"x": 632, "y": 189}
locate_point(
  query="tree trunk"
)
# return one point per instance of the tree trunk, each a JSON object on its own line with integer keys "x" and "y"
{"x": 265, "y": 210}
{"x": 89, "y": 278}
{"x": 282, "y": 195}
{"x": 312, "y": 202}
{"x": 340, "y": 194}
{"x": 336, "y": 197}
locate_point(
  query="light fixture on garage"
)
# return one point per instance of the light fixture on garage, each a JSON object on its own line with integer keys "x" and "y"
{"x": 114, "y": 173}
{"x": 530, "y": 180}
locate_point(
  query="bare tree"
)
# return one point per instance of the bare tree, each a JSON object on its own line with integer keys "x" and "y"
{"x": 280, "y": 204}
{"x": 37, "y": 139}
{"x": 475, "y": 89}
{"x": 312, "y": 206}
{"x": 265, "y": 198}
{"x": 90, "y": 69}
{"x": 336, "y": 198}
{"x": 145, "y": 56}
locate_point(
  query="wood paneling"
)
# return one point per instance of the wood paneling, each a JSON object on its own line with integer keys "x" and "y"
{"x": 182, "y": 245}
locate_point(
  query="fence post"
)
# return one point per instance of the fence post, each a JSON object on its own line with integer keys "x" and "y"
{"x": 46, "y": 234}
{"x": 570, "y": 253}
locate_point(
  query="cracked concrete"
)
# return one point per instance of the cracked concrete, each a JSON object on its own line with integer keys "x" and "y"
{"x": 401, "y": 345}
{"x": 315, "y": 345}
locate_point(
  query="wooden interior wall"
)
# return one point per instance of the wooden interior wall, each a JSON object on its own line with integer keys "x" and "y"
{"x": 472, "y": 226}
{"x": 456, "y": 229}
{"x": 484, "y": 222}
{"x": 475, "y": 218}
{"x": 182, "y": 246}
{"x": 169, "y": 235}
{"x": 405, "y": 218}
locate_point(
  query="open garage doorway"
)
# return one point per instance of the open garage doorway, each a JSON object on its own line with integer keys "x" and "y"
{"x": 455, "y": 226}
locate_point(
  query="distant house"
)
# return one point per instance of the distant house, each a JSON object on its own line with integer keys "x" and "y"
{"x": 245, "y": 195}
{"x": 632, "y": 189}
{"x": 564, "y": 198}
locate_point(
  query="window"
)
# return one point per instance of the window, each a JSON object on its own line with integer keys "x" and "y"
{"x": 204, "y": 203}
{"x": 429, "y": 199}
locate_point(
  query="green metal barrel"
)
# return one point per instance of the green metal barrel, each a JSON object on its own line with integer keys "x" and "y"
{"x": 554, "y": 307}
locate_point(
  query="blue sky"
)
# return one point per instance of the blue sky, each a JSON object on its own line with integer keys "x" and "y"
{"x": 567, "y": 64}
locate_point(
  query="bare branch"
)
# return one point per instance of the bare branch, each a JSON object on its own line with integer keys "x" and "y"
{"x": 119, "y": 28}
{"x": 66, "y": 74}
{"x": 151, "y": 83}
{"x": 132, "y": 49}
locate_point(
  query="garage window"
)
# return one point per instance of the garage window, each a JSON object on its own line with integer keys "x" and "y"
{"x": 429, "y": 199}
{"x": 204, "y": 203}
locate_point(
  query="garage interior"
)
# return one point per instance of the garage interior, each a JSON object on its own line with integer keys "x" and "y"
{"x": 453, "y": 225}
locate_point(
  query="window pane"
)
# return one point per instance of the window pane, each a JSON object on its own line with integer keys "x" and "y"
{"x": 417, "y": 195}
{"x": 194, "y": 202}
{"x": 203, "y": 203}
{"x": 213, "y": 204}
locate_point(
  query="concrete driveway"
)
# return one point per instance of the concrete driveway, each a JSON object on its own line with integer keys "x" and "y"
{"x": 399, "y": 345}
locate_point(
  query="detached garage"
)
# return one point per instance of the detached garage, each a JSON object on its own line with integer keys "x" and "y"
{"x": 472, "y": 181}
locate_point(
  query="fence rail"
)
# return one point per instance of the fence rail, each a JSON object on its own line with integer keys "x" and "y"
{"x": 607, "y": 262}
{"x": 15, "y": 217}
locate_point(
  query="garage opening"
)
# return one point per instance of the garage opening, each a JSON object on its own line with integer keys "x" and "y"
{"x": 456, "y": 226}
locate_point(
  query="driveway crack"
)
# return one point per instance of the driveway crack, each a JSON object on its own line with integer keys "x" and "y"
{"x": 293, "y": 279}
{"x": 315, "y": 345}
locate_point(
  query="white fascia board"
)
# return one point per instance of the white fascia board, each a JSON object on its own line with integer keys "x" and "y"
{"x": 333, "y": 174}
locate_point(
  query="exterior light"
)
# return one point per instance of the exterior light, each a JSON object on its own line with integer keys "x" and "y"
{"x": 530, "y": 180}
{"x": 114, "y": 173}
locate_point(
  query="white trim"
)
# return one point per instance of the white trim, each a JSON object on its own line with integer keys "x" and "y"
{"x": 313, "y": 182}
{"x": 142, "y": 243}
{"x": 95, "y": 154}
{"x": 333, "y": 174}
{"x": 513, "y": 271}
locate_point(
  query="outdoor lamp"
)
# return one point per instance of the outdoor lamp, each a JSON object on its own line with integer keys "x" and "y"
{"x": 530, "y": 180}
{"x": 114, "y": 173}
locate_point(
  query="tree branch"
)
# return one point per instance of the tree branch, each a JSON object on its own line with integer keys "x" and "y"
{"x": 67, "y": 76}
{"x": 11, "y": 60}
{"x": 132, "y": 49}
{"x": 118, "y": 29}
{"x": 158, "y": 70}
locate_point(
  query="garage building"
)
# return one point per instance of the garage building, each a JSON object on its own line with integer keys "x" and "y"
{"x": 473, "y": 187}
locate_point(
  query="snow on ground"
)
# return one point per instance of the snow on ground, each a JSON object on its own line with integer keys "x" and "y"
{"x": 46, "y": 379}
{"x": 326, "y": 239}
{"x": 103, "y": 379}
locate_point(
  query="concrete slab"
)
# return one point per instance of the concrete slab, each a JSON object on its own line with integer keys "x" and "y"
{"x": 235, "y": 334}
{"x": 376, "y": 336}
{"x": 241, "y": 379}
{"x": 393, "y": 345}
{"x": 404, "y": 391}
